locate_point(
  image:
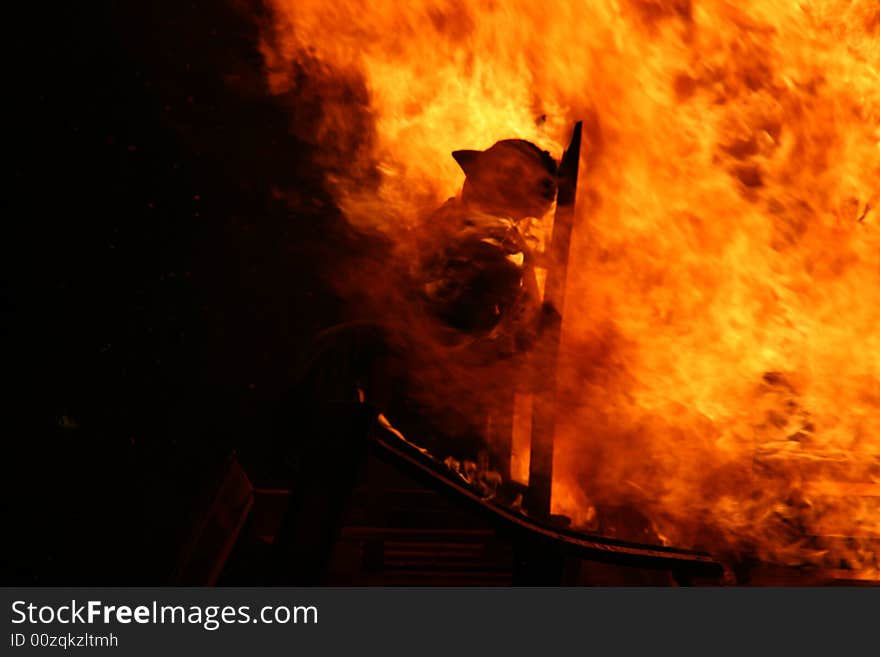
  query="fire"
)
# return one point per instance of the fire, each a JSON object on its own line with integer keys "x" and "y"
{"x": 721, "y": 336}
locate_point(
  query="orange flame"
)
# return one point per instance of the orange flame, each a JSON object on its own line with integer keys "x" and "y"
{"x": 721, "y": 366}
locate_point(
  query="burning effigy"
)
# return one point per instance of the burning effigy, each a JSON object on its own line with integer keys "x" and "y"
{"x": 482, "y": 273}
{"x": 473, "y": 310}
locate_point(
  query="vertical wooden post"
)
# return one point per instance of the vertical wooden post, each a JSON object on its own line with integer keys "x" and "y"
{"x": 544, "y": 417}
{"x": 500, "y": 431}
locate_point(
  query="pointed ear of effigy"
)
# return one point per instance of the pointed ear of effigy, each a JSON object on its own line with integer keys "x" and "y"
{"x": 466, "y": 159}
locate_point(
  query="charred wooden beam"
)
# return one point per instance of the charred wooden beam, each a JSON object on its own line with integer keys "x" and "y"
{"x": 542, "y": 543}
{"x": 500, "y": 431}
{"x": 543, "y": 420}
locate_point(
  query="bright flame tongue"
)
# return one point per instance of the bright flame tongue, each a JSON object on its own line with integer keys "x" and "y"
{"x": 722, "y": 322}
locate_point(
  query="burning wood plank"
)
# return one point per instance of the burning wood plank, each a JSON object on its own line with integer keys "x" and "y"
{"x": 543, "y": 420}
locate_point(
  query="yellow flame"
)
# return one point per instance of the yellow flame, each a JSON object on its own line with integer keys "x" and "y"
{"x": 722, "y": 326}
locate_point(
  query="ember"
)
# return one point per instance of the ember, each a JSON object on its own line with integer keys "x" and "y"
{"x": 720, "y": 349}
